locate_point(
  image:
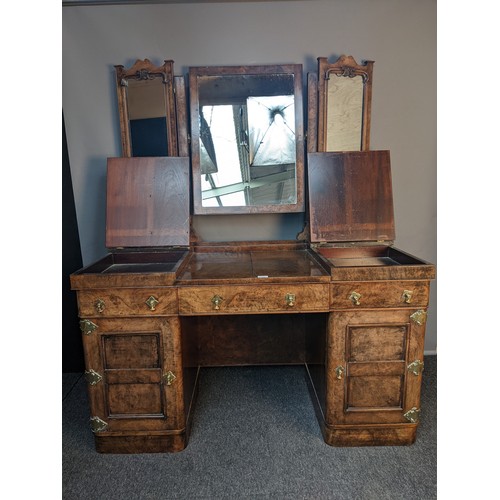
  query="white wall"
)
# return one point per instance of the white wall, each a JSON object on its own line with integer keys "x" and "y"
{"x": 399, "y": 35}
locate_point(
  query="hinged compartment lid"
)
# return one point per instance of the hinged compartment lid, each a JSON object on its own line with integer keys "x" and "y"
{"x": 350, "y": 197}
{"x": 147, "y": 202}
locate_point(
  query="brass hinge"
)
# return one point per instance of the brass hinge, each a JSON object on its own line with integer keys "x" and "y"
{"x": 87, "y": 327}
{"x": 319, "y": 244}
{"x": 412, "y": 415}
{"x": 97, "y": 425}
{"x": 92, "y": 377}
{"x": 417, "y": 367}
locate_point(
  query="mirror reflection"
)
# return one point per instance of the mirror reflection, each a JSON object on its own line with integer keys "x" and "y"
{"x": 345, "y": 113}
{"x": 147, "y": 110}
{"x": 244, "y": 133}
{"x": 344, "y": 104}
{"x": 147, "y": 117}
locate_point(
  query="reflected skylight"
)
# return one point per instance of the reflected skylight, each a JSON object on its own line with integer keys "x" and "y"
{"x": 245, "y": 147}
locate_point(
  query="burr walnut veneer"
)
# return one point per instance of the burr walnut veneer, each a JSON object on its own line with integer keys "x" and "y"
{"x": 346, "y": 304}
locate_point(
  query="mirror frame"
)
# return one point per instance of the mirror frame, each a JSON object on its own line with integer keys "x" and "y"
{"x": 346, "y": 67}
{"x": 289, "y": 69}
{"x": 145, "y": 70}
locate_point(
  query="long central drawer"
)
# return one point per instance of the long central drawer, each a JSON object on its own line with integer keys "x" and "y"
{"x": 199, "y": 300}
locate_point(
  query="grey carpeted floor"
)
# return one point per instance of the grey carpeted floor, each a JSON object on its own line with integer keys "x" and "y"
{"x": 255, "y": 435}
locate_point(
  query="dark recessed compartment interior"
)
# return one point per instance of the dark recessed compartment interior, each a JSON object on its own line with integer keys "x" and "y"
{"x": 377, "y": 261}
{"x": 368, "y": 256}
{"x": 139, "y": 262}
{"x": 155, "y": 268}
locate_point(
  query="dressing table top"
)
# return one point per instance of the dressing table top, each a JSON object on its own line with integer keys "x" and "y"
{"x": 249, "y": 263}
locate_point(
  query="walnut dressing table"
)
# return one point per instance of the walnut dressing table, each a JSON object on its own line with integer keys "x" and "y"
{"x": 340, "y": 300}
{"x": 353, "y": 315}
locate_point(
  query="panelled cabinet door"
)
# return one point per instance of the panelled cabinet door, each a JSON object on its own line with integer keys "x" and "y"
{"x": 370, "y": 380}
{"x": 133, "y": 372}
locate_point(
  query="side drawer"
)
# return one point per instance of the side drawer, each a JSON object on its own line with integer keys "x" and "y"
{"x": 348, "y": 295}
{"x": 198, "y": 300}
{"x": 127, "y": 302}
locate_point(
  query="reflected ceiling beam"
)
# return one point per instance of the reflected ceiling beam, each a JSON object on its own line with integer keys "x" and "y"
{"x": 254, "y": 183}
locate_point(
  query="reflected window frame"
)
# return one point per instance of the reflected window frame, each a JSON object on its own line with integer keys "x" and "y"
{"x": 294, "y": 70}
{"x": 146, "y": 70}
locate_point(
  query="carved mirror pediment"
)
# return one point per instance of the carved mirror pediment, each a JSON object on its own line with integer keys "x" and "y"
{"x": 247, "y": 139}
{"x": 147, "y": 109}
{"x": 344, "y": 104}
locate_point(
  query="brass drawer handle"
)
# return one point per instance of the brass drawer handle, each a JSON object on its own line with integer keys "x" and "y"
{"x": 99, "y": 305}
{"x": 152, "y": 302}
{"x": 290, "y": 299}
{"x": 407, "y": 295}
{"x": 354, "y": 297}
{"x": 217, "y": 301}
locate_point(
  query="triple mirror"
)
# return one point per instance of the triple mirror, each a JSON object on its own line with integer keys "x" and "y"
{"x": 247, "y": 141}
{"x": 247, "y": 137}
{"x": 147, "y": 109}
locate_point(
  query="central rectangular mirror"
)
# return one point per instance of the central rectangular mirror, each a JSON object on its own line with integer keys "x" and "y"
{"x": 247, "y": 139}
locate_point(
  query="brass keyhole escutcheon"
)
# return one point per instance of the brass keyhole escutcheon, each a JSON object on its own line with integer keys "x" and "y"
{"x": 290, "y": 299}
{"x": 417, "y": 367}
{"x": 355, "y": 296}
{"x": 217, "y": 301}
{"x": 92, "y": 377}
{"x": 99, "y": 305}
{"x": 87, "y": 327}
{"x": 152, "y": 302}
{"x": 418, "y": 317}
{"x": 407, "y": 295}
{"x": 97, "y": 424}
{"x": 413, "y": 415}
{"x": 169, "y": 377}
{"x": 339, "y": 372}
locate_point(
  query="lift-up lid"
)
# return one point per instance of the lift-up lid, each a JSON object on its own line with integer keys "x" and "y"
{"x": 350, "y": 197}
{"x": 147, "y": 202}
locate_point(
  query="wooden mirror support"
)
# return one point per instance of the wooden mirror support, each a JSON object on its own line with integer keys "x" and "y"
{"x": 247, "y": 147}
{"x": 344, "y": 104}
{"x": 147, "y": 109}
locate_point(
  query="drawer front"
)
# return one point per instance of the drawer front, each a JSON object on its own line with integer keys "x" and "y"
{"x": 359, "y": 294}
{"x": 128, "y": 302}
{"x": 253, "y": 299}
